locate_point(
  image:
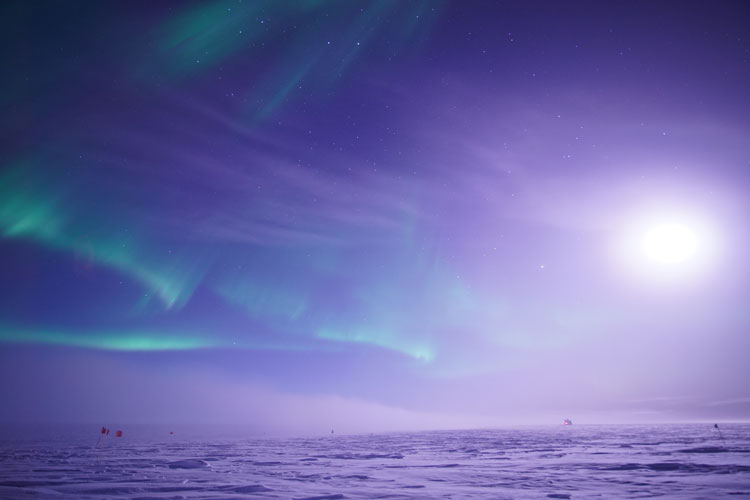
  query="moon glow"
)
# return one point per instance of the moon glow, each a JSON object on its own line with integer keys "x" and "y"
{"x": 670, "y": 243}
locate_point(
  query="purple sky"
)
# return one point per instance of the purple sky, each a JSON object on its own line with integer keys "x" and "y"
{"x": 374, "y": 215}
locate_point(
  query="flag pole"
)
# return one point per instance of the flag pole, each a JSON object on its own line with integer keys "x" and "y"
{"x": 716, "y": 426}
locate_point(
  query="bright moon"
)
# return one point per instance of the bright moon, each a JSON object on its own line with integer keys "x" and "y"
{"x": 658, "y": 246}
{"x": 669, "y": 243}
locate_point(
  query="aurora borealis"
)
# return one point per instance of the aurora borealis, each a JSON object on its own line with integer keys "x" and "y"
{"x": 429, "y": 208}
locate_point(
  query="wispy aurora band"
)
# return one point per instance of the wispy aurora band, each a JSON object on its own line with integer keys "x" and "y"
{"x": 107, "y": 340}
{"x": 25, "y": 214}
{"x": 192, "y": 41}
{"x": 421, "y": 352}
{"x": 198, "y": 38}
{"x": 28, "y": 212}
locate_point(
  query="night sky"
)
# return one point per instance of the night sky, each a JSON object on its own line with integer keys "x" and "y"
{"x": 374, "y": 215}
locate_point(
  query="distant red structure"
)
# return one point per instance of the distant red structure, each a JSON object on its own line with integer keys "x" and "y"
{"x": 118, "y": 434}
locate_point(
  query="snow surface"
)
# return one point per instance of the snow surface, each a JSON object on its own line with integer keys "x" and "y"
{"x": 578, "y": 462}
